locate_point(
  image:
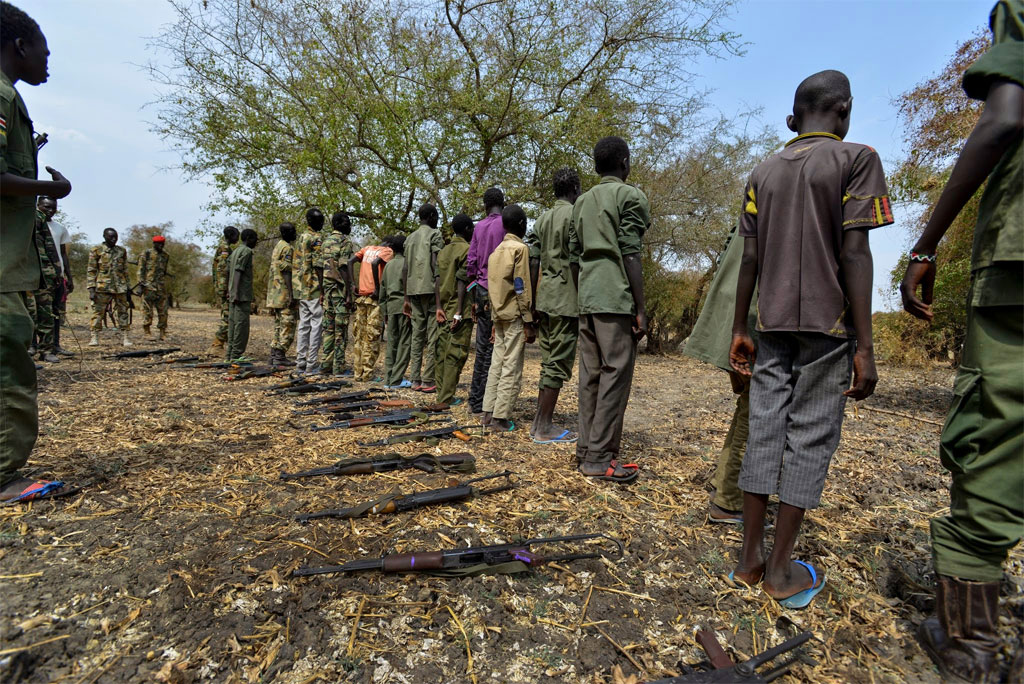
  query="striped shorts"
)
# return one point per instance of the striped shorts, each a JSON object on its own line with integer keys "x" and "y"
{"x": 796, "y": 414}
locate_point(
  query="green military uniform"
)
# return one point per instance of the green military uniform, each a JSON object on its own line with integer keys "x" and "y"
{"x": 982, "y": 442}
{"x": 153, "y": 280}
{"x": 453, "y": 345}
{"x": 220, "y": 286}
{"x": 709, "y": 342}
{"x": 335, "y": 252}
{"x": 419, "y": 250}
{"x": 306, "y": 288}
{"x": 49, "y": 264}
{"x": 19, "y": 273}
{"x": 107, "y": 273}
{"x": 240, "y": 274}
{"x": 279, "y": 299}
{"x": 397, "y": 326}
{"x": 558, "y": 327}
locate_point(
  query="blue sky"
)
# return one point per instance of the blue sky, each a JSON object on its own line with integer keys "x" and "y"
{"x": 94, "y": 105}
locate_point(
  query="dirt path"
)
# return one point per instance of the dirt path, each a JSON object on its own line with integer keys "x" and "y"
{"x": 175, "y": 564}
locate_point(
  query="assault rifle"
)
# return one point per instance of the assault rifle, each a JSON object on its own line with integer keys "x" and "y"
{"x": 310, "y": 387}
{"x": 335, "y": 398}
{"x": 456, "y": 431}
{"x": 397, "y": 502}
{"x": 184, "y": 359}
{"x": 725, "y": 671}
{"x": 141, "y": 353}
{"x": 497, "y": 559}
{"x": 358, "y": 405}
{"x": 249, "y": 372}
{"x": 392, "y": 418}
{"x": 428, "y": 463}
{"x": 220, "y": 364}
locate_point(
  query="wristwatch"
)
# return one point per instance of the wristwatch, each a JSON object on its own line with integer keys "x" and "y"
{"x": 457, "y": 317}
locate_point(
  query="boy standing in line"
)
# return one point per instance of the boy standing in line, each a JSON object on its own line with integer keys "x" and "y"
{"x": 421, "y": 297}
{"x": 240, "y": 295}
{"x": 373, "y": 259}
{"x": 608, "y": 224}
{"x": 396, "y": 324}
{"x": 279, "y": 295}
{"x": 557, "y": 306}
{"x": 487, "y": 235}
{"x": 335, "y": 253}
{"x": 511, "y": 294}
{"x": 221, "y": 278}
{"x": 805, "y": 222}
{"x": 307, "y": 285}
{"x": 455, "y": 317}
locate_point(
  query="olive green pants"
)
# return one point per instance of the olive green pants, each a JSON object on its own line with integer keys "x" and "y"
{"x": 728, "y": 495}
{"x": 19, "y": 418}
{"x": 222, "y": 326}
{"x": 424, "y": 338}
{"x": 982, "y": 442}
{"x": 452, "y": 352}
{"x": 238, "y": 330}
{"x": 557, "y": 337}
{"x": 398, "y": 350}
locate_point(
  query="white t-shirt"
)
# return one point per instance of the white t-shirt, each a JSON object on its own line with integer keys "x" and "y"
{"x": 60, "y": 237}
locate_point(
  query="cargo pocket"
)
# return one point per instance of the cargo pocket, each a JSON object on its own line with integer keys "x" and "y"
{"x": 956, "y": 448}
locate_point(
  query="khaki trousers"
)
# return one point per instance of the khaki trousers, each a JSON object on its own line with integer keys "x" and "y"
{"x": 505, "y": 376}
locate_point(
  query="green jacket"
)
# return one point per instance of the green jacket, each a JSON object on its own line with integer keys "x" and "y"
{"x": 153, "y": 270}
{"x": 19, "y": 261}
{"x": 392, "y": 296}
{"x": 451, "y": 267}
{"x": 549, "y": 243}
{"x": 108, "y": 269}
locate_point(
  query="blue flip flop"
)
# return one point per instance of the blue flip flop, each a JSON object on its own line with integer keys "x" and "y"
{"x": 803, "y": 599}
{"x": 560, "y": 439}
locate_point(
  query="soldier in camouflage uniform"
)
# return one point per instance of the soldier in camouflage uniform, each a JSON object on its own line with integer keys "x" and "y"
{"x": 220, "y": 285}
{"x": 107, "y": 280}
{"x": 49, "y": 263}
{"x": 307, "y": 286}
{"x": 334, "y": 255}
{"x": 153, "y": 281}
{"x": 279, "y": 296}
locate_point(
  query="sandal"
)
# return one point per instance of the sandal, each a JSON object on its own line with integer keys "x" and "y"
{"x": 609, "y": 474}
{"x": 567, "y": 437}
{"x": 42, "y": 489}
{"x": 802, "y": 599}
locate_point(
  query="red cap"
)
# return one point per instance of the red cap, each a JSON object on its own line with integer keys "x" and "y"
{"x": 159, "y": 238}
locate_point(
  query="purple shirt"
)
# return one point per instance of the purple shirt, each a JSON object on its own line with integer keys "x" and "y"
{"x": 487, "y": 235}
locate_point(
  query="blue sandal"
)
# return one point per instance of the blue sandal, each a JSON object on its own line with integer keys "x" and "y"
{"x": 803, "y": 598}
{"x": 560, "y": 439}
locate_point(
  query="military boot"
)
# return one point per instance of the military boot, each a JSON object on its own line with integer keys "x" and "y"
{"x": 216, "y": 348}
{"x": 125, "y": 342}
{"x": 147, "y": 332}
{"x": 963, "y": 638}
{"x": 275, "y": 357}
{"x": 94, "y": 341}
{"x": 163, "y": 335}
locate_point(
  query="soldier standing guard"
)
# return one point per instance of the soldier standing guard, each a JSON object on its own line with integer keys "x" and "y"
{"x": 107, "y": 280}
{"x": 279, "y": 296}
{"x": 50, "y": 265}
{"x": 335, "y": 252}
{"x": 220, "y": 285}
{"x": 153, "y": 281}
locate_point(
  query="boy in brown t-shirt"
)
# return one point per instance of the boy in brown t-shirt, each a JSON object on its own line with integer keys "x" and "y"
{"x": 807, "y": 212}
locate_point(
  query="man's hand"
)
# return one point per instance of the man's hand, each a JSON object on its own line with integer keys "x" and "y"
{"x": 407, "y": 308}
{"x": 92, "y": 294}
{"x": 441, "y": 318}
{"x": 69, "y": 285}
{"x": 63, "y": 188}
{"x": 491, "y": 341}
{"x": 639, "y": 326}
{"x": 472, "y": 312}
{"x": 865, "y": 377}
{"x": 919, "y": 273}
{"x": 530, "y": 332}
{"x": 375, "y": 295}
{"x": 456, "y": 322}
{"x": 739, "y": 383}
{"x": 742, "y": 354}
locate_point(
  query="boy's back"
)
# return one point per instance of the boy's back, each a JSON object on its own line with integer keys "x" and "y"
{"x": 798, "y": 203}
{"x": 391, "y": 293}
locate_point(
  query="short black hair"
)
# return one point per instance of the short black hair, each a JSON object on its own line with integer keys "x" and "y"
{"x": 821, "y": 92}
{"x": 493, "y": 197}
{"x": 513, "y": 219}
{"x": 609, "y": 153}
{"x": 287, "y": 225}
{"x": 249, "y": 233}
{"x": 314, "y": 215}
{"x": 462, "y": 225}
{"x": 340, "y": 217}
{"x": 428, "y": 214}
{"x": 229, "y": 231}
{"x": 397, "y": 243}
{"x": 14, "y": 24}
{"x": 566, "y": 181}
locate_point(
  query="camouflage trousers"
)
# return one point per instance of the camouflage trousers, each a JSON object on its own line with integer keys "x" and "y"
{"x": 222, "y": 328}
{"x": 155, "y": 299}
{"x": 42, "y": 313}
{"x": 284, "y": 326}
{"x": 367, "y": 330}
{"x": 334, "y": 330}
{"x": 99, "y": 306}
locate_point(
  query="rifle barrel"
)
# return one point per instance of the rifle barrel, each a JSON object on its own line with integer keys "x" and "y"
{"x": 352, "y": 566}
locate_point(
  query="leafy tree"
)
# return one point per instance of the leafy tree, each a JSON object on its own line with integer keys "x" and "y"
{"x": 937, "y": 118}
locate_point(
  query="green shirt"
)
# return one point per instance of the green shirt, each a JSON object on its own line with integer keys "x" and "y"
{"x": 19, "y": 261}
{"x": 999, "y": 234}
{"x": 419, "y": 248}
{"x": 549, "y": 242}
{"x": 712, "y": 335}
{"x": 608, "y": 223}
{"x": 240, "y": 270}
{"x": 392, "y": 296}
{"x": 307, "y": 258}
{"x": 451, "y": 266}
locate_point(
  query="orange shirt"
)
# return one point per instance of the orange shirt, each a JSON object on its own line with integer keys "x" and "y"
{"x": 367, "y": 255}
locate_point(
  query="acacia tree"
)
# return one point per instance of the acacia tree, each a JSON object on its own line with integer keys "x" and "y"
{"x": 376, "y": 106}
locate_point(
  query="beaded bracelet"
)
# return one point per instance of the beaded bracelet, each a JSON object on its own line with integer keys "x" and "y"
{"x": 916, "y": 256}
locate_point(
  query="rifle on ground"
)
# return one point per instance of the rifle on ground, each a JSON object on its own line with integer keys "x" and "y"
{"x": 724, "y": 670}
{"x": 392, "y": 418}
{"x": 428, "y": 463}
{"x": 335, "y": 398}
{"x": 397, "y": 502}
{"x": 456, "y": 431}
{"x": 359, "y": 405}
{"x": 250, "y": 372}
{"x": 310, "y": 387}
{"x": 142, "y": 353}
{"x": 500, "y": 559}
{"x": 184, "y": 359}
{"x": 219, "y": 364}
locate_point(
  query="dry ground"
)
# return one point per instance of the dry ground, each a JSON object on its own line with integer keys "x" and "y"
{"x": 174, "y": 565}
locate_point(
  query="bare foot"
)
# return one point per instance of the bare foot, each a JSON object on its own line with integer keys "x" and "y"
{"x": 551, "y": 432}
{"x": 788, "y": 581}
{"x": 501, "y": 424}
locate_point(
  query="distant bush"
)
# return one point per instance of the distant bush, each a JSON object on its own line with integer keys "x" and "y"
{"x": 903, "y": 340}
